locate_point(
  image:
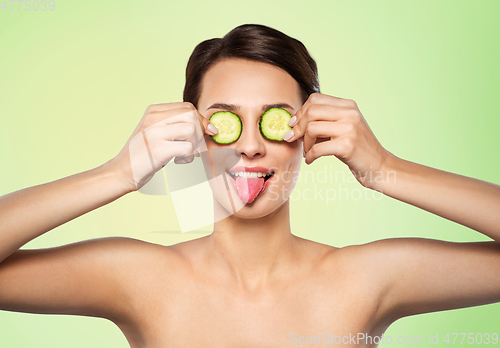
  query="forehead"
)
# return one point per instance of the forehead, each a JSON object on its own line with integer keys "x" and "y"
{"x": 247, "y": 83}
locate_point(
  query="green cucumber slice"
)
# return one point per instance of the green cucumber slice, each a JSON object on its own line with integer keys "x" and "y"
{"x": 229, "y": 126}
{"x": 274, "y": 123}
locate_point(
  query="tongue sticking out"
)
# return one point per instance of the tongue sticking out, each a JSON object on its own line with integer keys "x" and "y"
{"x": 248, "y": 188}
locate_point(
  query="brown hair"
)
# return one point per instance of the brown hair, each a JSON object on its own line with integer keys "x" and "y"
{"x": 253, "y": 42}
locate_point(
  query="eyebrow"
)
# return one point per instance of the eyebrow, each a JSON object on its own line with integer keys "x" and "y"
{"x": 234, "y": 107}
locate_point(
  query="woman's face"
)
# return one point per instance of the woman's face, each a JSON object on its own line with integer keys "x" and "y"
{"x": 248, "y": 88}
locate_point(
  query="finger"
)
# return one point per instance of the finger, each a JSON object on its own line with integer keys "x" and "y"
{"x": 178, "y": 127}
{"x": 324, "y": 99}
{"x": 193, "y": 118}
{"x": 171, "y": 116}
{"x": 169, "y": 106}
{"x": 324, "y": 129}
{"x": 172, "y": 149}
{"x": 183, "y": 160}
{"x": 197, "y": 152}
{"x": 202, "y": 126}
{"x": 316, "y": 112}
{"x": 319, "y": 98}
{"x": 194, "y": 137}
{"x": 182, "y": 149}
{"x": 178, "y": 132}
{"x": 171, "y": 132}
{"x": 339, "y": 147}
{"x": 200, "y": 123}
{"x": 207, "y": 126}
{"x": 161, "y": 155}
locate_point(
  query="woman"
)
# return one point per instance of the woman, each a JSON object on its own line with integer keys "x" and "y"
{"x": 251, "y": 282}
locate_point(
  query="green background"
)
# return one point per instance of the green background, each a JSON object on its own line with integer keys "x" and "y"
{"x": 75, "y": 82}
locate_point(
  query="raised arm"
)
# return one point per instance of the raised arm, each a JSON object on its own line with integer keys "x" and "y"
{"x": 30, "y": 212}
{"x": 414, "y": 275}
{"x": 87, "y": 278}
{"x": 335, "y": 126}
{"x": 424, "y": 275}
{"x": 470, "y": 202}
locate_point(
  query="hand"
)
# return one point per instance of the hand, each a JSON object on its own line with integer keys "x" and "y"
{"x": 335, "y": 126}
{"x": 165, "y": 131}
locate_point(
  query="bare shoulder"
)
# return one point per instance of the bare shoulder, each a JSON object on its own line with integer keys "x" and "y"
{"x": 366, "y": 265}
{"x": 130, "y": 253}
{"x": 95, "y": 277}
{"x": 385, "y": 252}
{"x": 140, "y": 250}
{"x": 374, "y": 258}
{"x": 146, "y": 260}
{"x": 314, "y": 250}
{"x": 378, "y": 252}
{"x": 408, "y": 276}
{"x": 426, "y": 275}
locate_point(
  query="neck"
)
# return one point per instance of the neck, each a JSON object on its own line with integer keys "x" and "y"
{"x": 251, "y": 250}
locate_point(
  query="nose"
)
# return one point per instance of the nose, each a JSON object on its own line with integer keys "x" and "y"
{"x": 251, "y": 142}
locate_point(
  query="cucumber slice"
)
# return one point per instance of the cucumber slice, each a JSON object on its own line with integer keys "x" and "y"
{"x": 229, "y": 126}
{"x": 274, "y": 123}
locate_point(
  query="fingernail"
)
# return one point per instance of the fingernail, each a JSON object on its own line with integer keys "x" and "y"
{"x": 211, "y": 128}
{"x": 288, "y": 135}
{"x": 292, "y": 121}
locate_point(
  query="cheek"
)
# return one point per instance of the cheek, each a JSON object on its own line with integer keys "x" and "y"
{"x": 294, "y": 153}
{"x": 288, "y": 159}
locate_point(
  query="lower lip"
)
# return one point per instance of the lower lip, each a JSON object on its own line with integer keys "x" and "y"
{"x": 266, "y": 183}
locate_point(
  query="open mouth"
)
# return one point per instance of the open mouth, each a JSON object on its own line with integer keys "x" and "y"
{"x": 266, "y": 176}
{"x": 249, "y": 184}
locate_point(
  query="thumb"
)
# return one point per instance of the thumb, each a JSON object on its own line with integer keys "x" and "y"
{"x": 207, "y": 126}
